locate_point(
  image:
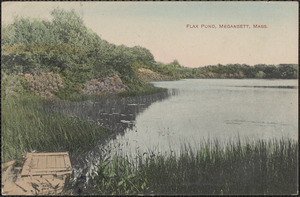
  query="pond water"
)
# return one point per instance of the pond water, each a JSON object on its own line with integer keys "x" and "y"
{"x": 216, "y": 109}
{"x": 191, "y": 112}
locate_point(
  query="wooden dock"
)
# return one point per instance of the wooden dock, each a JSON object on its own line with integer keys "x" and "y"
{"x": 47, "y": 163}
{"x": 41, "y": 174}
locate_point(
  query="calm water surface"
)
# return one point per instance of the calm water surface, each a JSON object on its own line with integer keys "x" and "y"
{"x": 192, "y": 111}
{"x": 216, "y": 109}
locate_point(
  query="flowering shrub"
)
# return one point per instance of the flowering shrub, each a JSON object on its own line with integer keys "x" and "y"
{"x": 45, "y": 84}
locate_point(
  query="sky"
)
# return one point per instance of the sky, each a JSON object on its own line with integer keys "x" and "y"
{"x": 180, "y": 30}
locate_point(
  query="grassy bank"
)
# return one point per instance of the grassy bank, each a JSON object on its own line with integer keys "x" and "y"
{"x": 254, "y": 168}
{"x": 145, "y": 89}
{"x": 26, "y": 127}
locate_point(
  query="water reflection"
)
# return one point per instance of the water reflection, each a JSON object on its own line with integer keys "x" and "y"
{"x": 286, "y": 87}
{"x": 116, "y": 114}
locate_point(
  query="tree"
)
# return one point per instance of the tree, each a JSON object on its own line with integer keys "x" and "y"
{"x": 260, "y": 74}
{"x": 7, "y": 34}
{"x": 142, "y": 55}
{"x": 287, "y": 71}
{"x": 69, "y": 27}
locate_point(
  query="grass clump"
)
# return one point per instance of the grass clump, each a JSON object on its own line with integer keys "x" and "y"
{"x": 144, "y": 89}
{"x": 261, "y": 167}
{"x": 25, "y": 126}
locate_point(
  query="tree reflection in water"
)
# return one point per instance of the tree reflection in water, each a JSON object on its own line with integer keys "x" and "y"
{"x": 116, "y": 114}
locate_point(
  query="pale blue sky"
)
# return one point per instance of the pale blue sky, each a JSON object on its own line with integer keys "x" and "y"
{"x": 161, "y": 27}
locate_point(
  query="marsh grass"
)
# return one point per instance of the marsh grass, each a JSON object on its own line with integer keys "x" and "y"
{"x": 260, "y": 167}
{"x": 25, "y": 126}
{"x": 145, "y": 89}
{"x": 77, "y": 97}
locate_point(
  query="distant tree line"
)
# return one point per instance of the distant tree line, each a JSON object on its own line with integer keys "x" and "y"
{"x": 261, "y": 71}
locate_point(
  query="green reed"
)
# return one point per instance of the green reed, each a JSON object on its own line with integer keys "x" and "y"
{"x": 141, "y": 90}
{"x": 260, "y": 167}
{"x": 25, "y": 126}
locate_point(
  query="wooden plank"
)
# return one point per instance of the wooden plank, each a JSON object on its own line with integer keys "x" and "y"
{"x": 65, "y": 172}
{"x": 55, "y": 153}
{"x": 42, "y": 162}
{"x": 47, "y": 163}
{"x": 51, "y": 161}
{"x": 67, "y": 162}
{"x": 48, "y": 169}
{"x": 60, "y": 162}
{"x": 26, "y": 166}
{"x": 49, "y": 173}
{"x": 34, "y": 162}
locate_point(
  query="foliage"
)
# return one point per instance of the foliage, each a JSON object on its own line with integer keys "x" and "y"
{"x": 261, "y": 71}
{"x": 27, "y": 126}
{"x": 139, "y": 90}
{"x": 167, "y": 69}
{"x": 66, "y": 46}
{"x": 118, "y": 177}
{"x": 41, "y": 83}
{"x": 260, "y": 167}
{"x": 11, "y": 87}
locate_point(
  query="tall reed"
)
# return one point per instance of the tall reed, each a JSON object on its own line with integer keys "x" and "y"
{"x": 25, "y": 126}
{"x": 260, "y": 167}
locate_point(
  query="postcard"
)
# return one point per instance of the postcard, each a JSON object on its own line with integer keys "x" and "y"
{"x": 149, "y": 98}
